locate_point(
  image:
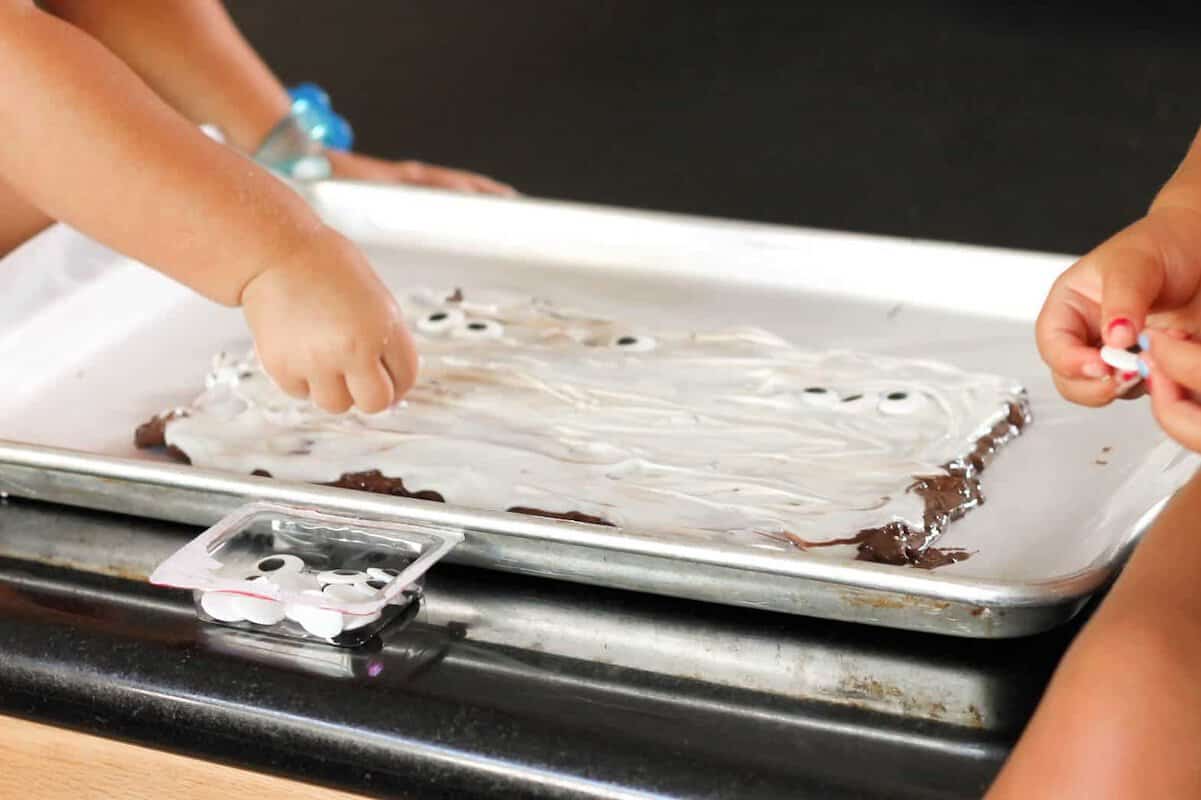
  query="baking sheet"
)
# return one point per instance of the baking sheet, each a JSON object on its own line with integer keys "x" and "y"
{"x": 90, "y": 358}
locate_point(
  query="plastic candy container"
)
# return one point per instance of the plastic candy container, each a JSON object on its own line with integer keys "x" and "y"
{"x": 305, "y": 574}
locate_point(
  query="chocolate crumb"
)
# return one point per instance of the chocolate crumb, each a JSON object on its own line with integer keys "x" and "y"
{"x": 153, "y": 432}
{"x": 1019, "y": 415}
{"x": 1101, "y": 462}
{"x": 375, "y": 481}
{"x": 570, "y": 516}
{"x": 457, "y": 297}
{"x": 933, "y": 557}
{"x": 177, "y": 454}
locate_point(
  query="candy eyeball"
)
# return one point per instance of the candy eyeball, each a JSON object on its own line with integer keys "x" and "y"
{"x": 819, "y": 397}
{"x": 259, "y": 610}
{"x": 348, "y": 592}
{"x": 283, "y": 564}
{"x": 480, "y": 329}
{"x": 323, "y": 623}
{"x": 440, "y": 321}
{"x": 635, "y": 344}
{"x": 380, "y": 578}
{"x": 222, "y": 606}
{"x": 899, "y": 402}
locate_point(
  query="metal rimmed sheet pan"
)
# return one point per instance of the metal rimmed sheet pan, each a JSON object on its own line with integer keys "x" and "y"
{"x": 92, "y": 344}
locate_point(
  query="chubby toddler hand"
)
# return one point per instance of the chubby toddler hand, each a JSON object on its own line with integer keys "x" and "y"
{"x": 326, "y": 328}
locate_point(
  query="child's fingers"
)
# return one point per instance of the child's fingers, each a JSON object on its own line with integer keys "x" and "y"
{"x": 485, "y": 185}
{"x": 1086, "y": 391}
{"x": 400, "y": 360}
{"x": 1131, "y": 279}
{"x": 371, "y": 387}
{"x": 1176, "y": 412}
{"x": 482, "y": 184}
{"x": 330, "y": 393}
{"x": 288, "y": 382}
{"x": 1176, "y": 359}
{"x": 1065, "y": 334}
{"x": 421, "y": 174}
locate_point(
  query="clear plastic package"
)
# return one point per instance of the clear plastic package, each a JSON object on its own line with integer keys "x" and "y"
{"x": 306, "y": 574}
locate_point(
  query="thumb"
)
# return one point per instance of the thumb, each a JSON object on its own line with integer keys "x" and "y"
{"x": 1132, "y": 276}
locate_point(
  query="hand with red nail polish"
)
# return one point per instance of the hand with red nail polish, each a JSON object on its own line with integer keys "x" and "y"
{"x": 1148, "y": 275}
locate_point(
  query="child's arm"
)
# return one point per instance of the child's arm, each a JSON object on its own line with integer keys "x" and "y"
{"x": 19, "y": 221}
{"x": 1122, "y": 716}
{"x": 88, "y": 143}
{"x": 192, "y": 54}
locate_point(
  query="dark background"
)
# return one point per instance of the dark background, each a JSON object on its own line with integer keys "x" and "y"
{"x": 1030, "y": 125}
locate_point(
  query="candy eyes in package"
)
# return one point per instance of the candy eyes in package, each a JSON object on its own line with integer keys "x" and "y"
{"x": 305, "y": 574}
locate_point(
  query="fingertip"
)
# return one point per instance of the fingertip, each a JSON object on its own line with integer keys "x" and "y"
{"x": 372, "y": 389}
{"x": 336, "y": 407}
{"x": 1070, "y": 359}
{"x": 291, "y": 385}
{"x": 402, "y": 365}
{"x": 403, "y": 381}
{"x": 330, "y": 394}
{"x": 489, "y": 186}
{"x": 1085, "y": 392}
{"x": 1121, "y": 331}
{"x": 1095, "y": 369}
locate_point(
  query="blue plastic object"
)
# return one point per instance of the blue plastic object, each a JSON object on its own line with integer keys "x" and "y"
{"x": 313, "y": 111}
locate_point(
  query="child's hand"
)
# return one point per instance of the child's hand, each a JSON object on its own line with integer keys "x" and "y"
{"x": 326, "y": 328}
{"x": 1148, "y": 275}
{"x": 353, "y": 166}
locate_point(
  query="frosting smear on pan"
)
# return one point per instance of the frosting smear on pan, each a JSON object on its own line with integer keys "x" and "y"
{"x": 724, "y": 434}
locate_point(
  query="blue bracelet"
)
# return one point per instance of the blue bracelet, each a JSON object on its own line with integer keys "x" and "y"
{"x": 312, "y": 109}
{"x": 295, "y": 146}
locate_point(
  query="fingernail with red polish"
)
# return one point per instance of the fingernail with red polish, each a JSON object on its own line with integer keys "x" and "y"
{"x": 1129, "y": 376}
{"x": 1120, "y": 333}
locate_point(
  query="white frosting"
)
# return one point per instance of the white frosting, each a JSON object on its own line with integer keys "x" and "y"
{"x": 707, "y": 434}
